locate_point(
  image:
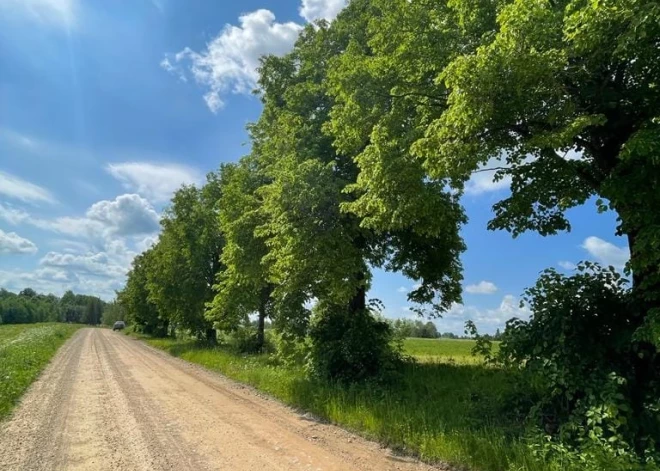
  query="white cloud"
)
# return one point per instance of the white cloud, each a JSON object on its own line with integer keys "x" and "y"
{"x": 607, "y": 253}
{"x": 402, "y": 289}
{"x": 19, "y": 189}
{"x": 53, "y": 274}
{"x": 483, "y": 287}
{"x": 313, "y": 10}
{"x": 13, "y": 216}
{"x": 486, "y": 320}
{"x": 98, "y": 264}
{"x": 570, "y": 266}
{"x": 57, "y": 281}
{"x": 173, "y": 69}
{"x": 230, "y": 60}
{"x": 125, "y": 215}
{"x": 483, "y": 181}
{"x": 12, "y": 243}
{"x": 156, "y": 182}
{"x": 61, "y": 12}
{"x": 146, "y": 243}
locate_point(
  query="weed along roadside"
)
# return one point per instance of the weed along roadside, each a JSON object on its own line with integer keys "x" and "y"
{"x": 457, "y": 412}
{"x": 25, "y": 349}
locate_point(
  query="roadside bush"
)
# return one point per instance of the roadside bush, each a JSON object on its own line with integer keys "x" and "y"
{"x": 243, "y": 339}
{"x": 290, "y": 350}
{"x": 351, "y": 347}
{"x": 579, "y": 348}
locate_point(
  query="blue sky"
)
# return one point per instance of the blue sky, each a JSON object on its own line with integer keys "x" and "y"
{"x": 107, "y": 107}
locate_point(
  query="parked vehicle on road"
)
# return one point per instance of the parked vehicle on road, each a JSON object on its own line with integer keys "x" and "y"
{"x": 119, "y": 325}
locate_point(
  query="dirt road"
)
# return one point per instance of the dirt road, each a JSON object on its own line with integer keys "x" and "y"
{"x": 109, "y": 402}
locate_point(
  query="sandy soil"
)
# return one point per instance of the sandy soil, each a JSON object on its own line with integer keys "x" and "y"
{"x": 109, "y": 402}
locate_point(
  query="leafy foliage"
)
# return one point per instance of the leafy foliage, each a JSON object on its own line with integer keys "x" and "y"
{"x": 186, "y": 259}
{"x": 170, "y": 284}
{"x": 141, "y": 311}
{"x": 28, "y": 307}
{"x": 351, "y": 346}
{"x": 578, "y": 350}
{"x": 242, "y": 287}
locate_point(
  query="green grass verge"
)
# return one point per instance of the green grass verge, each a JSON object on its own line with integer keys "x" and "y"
{"x": 25, "y": 349}
{"x": 455, "y": 413}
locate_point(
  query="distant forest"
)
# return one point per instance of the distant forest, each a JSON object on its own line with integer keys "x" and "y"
{"x": 28, "y": 307}
{"x": 404, "y": 328}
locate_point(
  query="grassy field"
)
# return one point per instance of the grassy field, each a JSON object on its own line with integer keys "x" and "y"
{"x": 443, "y": 350}
{"x": 439, "y": 411}
{"x": 25, "y": 350}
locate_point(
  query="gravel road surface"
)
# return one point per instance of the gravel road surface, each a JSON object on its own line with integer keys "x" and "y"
{"x": 110, "y": 402}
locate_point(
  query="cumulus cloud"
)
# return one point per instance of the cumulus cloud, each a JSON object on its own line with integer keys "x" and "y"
{"x": 12, "y": 243}
{"x": 98, "y": 269}
{"x": 53, "y": 274}
{"x": 483, "y": 287}
{"x": 126, "y": 215}
{"x": 156, "y": 182}
{"x": 402, "y": 289}
{"x": 57, "y": 281}
{"x": 16, "y": 188}
{"x": 607, "y": 253}
{"x": 229, "y": 63}
{"x": 486, "y": 320}
{"x": 313, "y": 10}
{"x": 98, "y": 264}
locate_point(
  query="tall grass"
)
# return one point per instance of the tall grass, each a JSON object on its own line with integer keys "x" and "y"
{"x": 459, "y": 414}
{"x": 25, "y": 349}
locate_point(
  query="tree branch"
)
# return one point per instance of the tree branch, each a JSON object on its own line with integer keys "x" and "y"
{"x": 493, "y": 169}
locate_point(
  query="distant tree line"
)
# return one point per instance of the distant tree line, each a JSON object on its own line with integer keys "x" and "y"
{"x": 28, "y": 307}
{"x": 405, "y": 328}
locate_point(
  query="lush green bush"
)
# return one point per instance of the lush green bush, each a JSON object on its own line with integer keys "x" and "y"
{"x": 244, "y": 339}
{"x": 351, "y": 346}
{"x": 580, "y": 351}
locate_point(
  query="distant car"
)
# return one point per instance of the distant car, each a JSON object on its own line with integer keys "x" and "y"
{"x": 119, "y": 325}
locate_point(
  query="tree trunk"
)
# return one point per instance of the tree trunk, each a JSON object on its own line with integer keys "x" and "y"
{"x": 212, "y": 336}
{"x": 266, "y": 291}
{"x": 359, "y": 301}
{"x": 643, "y": 353}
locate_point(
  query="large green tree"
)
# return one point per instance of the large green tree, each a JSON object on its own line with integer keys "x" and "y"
{"x": 560, "y": 96}
{"x": 319, "y": 246}
{"x": 134, "y": 298}
{"x": 186, "y": 258}
{"x": 526, "y": 88}
{"x": 243, "y": 286}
